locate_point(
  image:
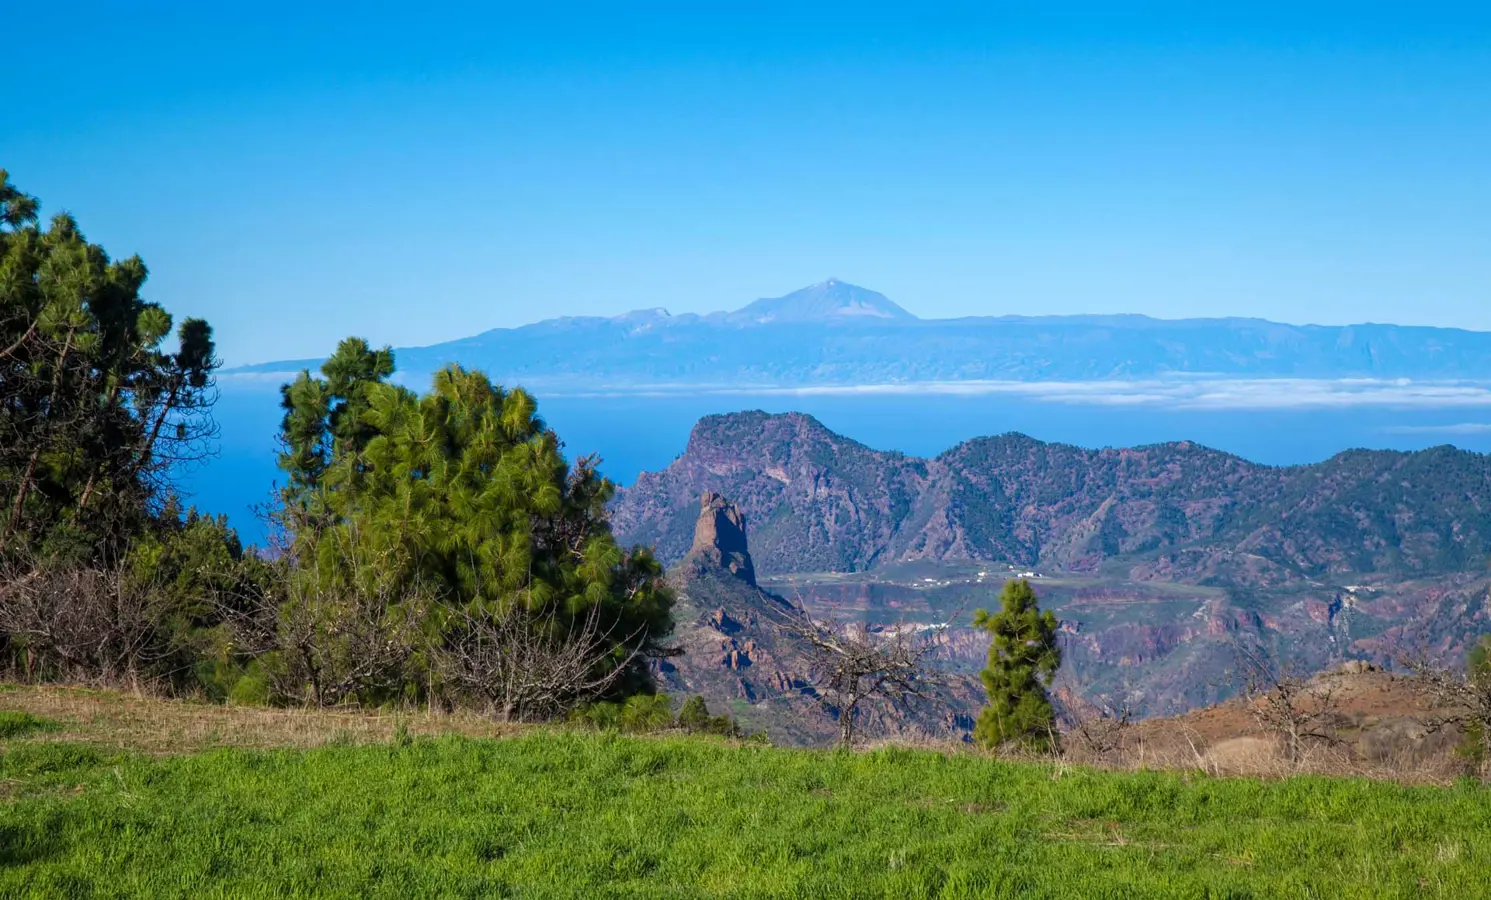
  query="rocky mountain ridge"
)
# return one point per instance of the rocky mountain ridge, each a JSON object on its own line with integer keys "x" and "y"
{"x": 1162, "y": 562}
{"x": 740, "y": 658}
{"x": 1167, "y": 512}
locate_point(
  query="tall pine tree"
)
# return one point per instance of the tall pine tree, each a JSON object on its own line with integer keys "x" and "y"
{"x": 96, "y": 410}
{"x": 1023, "y": 658}
{"x": 324, "y": 421}
{"x": 462, "y": 493}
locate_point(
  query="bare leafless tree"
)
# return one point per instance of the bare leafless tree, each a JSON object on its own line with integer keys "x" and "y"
{"x": 851, "y": 663}
{"x": 1302, "y": 712}
{"x": 87, "y": 624}
{"x": 1099, "y": 732}
{"x": 528, "y": 665}
{"x": 1458, "y": 699}
{"x": 332, "y": 631}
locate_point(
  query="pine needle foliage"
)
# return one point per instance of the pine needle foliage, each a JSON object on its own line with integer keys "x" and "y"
{"x": 463, "y": 493}
{"x": 103, "y": 400}
{"x": 1023, "y": 659}
{"x": 97, "y": 411}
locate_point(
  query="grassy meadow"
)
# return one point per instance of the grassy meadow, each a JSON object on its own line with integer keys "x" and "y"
{"x": 557, "y": 813}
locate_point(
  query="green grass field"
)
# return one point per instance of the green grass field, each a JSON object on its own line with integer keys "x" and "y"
{"x": 567, "y": 814}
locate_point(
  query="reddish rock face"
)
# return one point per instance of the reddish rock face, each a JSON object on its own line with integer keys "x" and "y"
{"x": 819, "y": 502}
{"x": 1360, "y": 556}
{"x": 720, "y": 537}
{"x": 736, "y": 654}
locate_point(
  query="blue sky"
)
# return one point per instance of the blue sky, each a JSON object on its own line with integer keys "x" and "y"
{"x": 420, "y": 172}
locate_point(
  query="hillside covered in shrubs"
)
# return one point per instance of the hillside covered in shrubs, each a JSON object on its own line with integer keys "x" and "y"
{"x": 430, "y": 548}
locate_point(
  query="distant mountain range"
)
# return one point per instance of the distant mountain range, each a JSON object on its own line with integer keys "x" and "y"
{"x": 835, "y": 333}
{"x": 1160, "y": 560}
{"x": 818, "y": 501}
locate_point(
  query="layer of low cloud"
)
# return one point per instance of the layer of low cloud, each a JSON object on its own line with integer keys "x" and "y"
{"x": 1193, "y": 394}
{"x": 1458, "y": 428}
{"x": 1176, "y": 393}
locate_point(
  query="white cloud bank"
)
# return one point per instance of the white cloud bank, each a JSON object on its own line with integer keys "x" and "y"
{"x": 1458, "y": 428}
{"x": 1177, "y": 393}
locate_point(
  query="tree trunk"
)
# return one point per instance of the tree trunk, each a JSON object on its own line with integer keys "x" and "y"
{"x": 846, "y": 722}
{"x": 19, "y": 504}
{"x": 87, "y": 490}
{"x": 148, "y": 450}
{"x": 93, "y": 473}
{"x": 24, "y": 487}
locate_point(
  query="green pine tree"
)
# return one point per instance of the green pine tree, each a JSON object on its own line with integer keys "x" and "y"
{"x": 103, "y": 397}
{"x": 1023, "y": 658}
{"x": 324, "y": 420}
{"x": 462, "y": 493}
{"x": 96, "y": 412}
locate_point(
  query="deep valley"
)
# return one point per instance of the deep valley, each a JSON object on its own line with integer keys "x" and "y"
{"x": 1163, "y": 563}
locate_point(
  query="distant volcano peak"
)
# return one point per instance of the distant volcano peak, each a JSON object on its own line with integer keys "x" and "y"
{"x": 826, "y": 301}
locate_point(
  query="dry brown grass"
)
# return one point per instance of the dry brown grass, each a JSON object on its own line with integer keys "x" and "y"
{"x": 155, "y": 726}
{"x": 1379, "y": 735}
{"x": 1378, "y": 727}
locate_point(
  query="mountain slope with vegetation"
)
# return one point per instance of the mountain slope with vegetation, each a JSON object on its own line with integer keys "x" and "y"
{"x": 820, "y": 502}
{"x": 1162, "y": 562}
{"x": 743, "y": 650}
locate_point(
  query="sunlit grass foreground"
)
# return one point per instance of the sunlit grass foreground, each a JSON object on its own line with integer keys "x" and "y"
{"x": 573, "y": 814}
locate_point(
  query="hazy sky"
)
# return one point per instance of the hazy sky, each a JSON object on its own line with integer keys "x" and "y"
{"x": 415, "y": 172}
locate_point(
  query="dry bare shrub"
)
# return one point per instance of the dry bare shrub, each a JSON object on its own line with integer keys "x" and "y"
{"x": 850, "y": 663}
{"x": 1098, "y": 735}
{"x": 88, "y": 625}
{"x": 326, "y": 641}
{"x": 1173, "y": 745}
{"x": 528, "y": 665}
{"x": 1461, "y": 702}
{"x": 1302, "y": 712}
{"x": 1429, "y": 759}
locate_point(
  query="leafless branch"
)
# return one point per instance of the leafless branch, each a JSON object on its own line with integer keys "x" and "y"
{"x": 535, "y": 665}
{"x": 1302, "y": 712}
{"x": 86, "y": 624}
{"x": 330, "y": 637}
{"x": 1458, "y": 699}
{"x": 851, "y": 663}
{"x": 1099, "y": 732}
